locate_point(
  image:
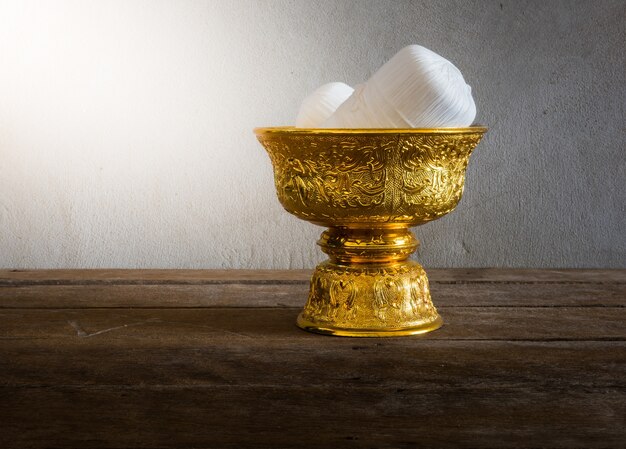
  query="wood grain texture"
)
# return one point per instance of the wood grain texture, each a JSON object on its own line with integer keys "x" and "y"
{"x": 179, "y": 359}
{"x": 496, "y": 294}
{"x": 454, "y": 275}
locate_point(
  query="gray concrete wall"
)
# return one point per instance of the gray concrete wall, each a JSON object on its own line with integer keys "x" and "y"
{"x": 125, "y": 127}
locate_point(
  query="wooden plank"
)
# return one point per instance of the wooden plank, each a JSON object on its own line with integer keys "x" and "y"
{"x": 156, "y": 277}
{"x": 310, "y": 417}
{"x": 527, "y": 276}
{"x": 151, "y": 326}
{"x": 175, "y": 296}
{"x": 448, "y": 275}
{"x": 316, "y": 362}
{"x": 295, "y": 295}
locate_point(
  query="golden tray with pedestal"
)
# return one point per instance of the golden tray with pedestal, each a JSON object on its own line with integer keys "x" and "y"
{"x": 368, "y": 186}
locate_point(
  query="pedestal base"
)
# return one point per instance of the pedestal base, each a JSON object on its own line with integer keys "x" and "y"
{"x": 342, "y": 332}
{"x": 369, "y": 300}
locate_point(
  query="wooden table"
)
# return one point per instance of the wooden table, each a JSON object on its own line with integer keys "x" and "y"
{"x": 203, "y": 359}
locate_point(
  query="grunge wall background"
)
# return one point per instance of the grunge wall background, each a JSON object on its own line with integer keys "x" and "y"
{"x": 126, "y": 127}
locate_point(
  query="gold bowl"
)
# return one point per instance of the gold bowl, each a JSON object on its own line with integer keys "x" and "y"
{"x": 368, "y": 186}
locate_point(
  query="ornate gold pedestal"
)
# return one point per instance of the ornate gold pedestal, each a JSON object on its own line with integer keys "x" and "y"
{"x": 369, "y": 187}
{"x": 368, "y": 287}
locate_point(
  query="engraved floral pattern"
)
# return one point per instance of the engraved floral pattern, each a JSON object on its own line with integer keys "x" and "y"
{"x": 433, "y": 172}
{"x": 383, "y": 297}
{"x": 339, "y": 175}
{"x": 412, "y": 178}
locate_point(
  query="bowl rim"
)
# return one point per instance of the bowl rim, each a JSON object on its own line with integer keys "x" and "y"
{"x": 366, "y": 131}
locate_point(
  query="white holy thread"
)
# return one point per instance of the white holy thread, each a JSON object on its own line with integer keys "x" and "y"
{"x": 416, "y": 88}
{"x": 321, "y": 104}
